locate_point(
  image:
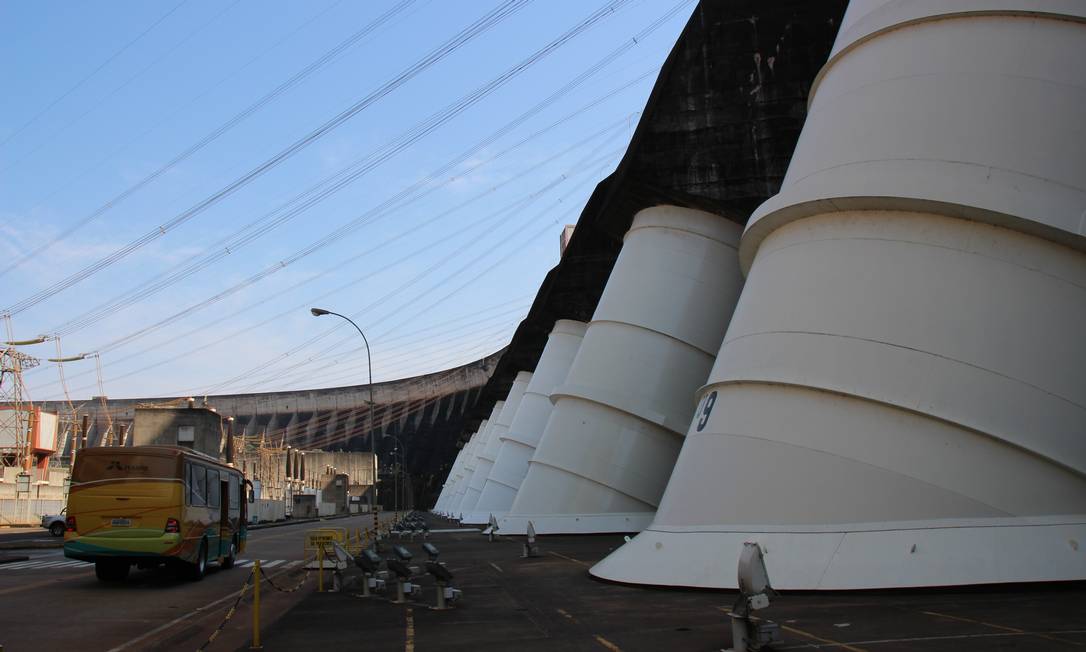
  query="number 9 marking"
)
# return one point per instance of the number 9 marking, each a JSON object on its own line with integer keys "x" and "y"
{"x": 706, "y": 409}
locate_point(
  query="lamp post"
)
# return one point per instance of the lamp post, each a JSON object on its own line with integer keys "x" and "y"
{"x": 402, "y": 485}
{"x": 318, "y": 312}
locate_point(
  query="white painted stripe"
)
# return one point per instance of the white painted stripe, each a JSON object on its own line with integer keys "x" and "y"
{"x": 71, "y": 564}
{"x": 51, "y": 563}
{"x": 199, "y": 611}
{"x": 292, "y": 564}
{"x": 273, "y": 563}
{"x": 19, "y": 564}
{"x": 244, "y": 562}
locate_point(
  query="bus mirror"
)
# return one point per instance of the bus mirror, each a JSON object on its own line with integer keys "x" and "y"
{"x": 252, "y": 497}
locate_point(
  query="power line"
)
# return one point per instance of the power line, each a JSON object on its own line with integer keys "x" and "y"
{"x": 475, "y": 29}
{"x": 92, "y": 73}
{"x": 122, "y": 85}
{"x": 317, "y": 193}
{"x": 214, "y": 135}
{"x": 338, "y": 181}
{"x": 609, "y": 128}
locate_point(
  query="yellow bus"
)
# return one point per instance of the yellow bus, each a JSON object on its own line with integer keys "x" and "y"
{"x": 153, "y": 505}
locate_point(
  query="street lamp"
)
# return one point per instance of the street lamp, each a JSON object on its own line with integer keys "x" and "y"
{"x": 318, "y": 312}
{"x": 401, "y": 486}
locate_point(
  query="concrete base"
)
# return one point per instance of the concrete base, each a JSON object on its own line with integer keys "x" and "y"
{"x": 575, "y": 523}
{"x": 480, "y": 518}
{"x": 860, "y": 556}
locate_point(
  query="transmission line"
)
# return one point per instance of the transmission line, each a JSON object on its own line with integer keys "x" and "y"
{"x": 214, "y": 135}
{"x": 475, "y": 29}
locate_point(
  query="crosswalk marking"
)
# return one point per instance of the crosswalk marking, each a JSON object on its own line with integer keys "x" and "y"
{"x": 57, "y": 564}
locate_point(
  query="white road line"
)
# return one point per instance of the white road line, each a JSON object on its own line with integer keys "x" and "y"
{"x": 20, "y": 564}
{"x": 49, "y": 564}
{"x": 199, "y": 611}
{"x": 292, "y": 564}
{"x": 273, "y": 563}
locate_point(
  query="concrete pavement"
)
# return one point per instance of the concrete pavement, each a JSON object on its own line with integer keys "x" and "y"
{"x": 550, "y": 602}
{"x": 50, "y": 601}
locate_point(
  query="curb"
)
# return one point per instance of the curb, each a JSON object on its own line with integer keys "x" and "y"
{"x": 289, "y": 521}
{"x": 59, "y": 543}
{"x": 31, "y": 545}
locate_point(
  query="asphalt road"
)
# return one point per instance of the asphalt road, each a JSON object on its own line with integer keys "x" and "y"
{"x": 23, "y": 534}
{"x": 50, "y": 602}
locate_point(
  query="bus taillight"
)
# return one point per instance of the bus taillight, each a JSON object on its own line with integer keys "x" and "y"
{"x": 173, "y": 526}
{"x": 69, "y": 524}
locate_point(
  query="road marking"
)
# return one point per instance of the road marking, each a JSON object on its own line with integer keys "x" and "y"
{"x": 1004, "y": 628}
{"x": 273, "y": 563}
{"x": 22, "y": 564}
{"x": 409, "y": 633}
{"x": 919, "y": 639}
{"x": 830, "y": 641}
{"x": 496, "y": 567}
{"x": 607, "y": 644}
{"x": 567, "y": 615}
{"x": 161, "y": 628}
{"x": 575, "y": 561}
{"x": 292, "y": 564}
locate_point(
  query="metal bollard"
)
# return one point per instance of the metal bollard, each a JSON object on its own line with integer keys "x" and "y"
{"x": 441, "y": 596}
{"x": 320, "y": 569}
{"x": 256, "y": 607}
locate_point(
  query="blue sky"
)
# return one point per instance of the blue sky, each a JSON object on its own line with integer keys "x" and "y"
{"x": 440, "y": 262}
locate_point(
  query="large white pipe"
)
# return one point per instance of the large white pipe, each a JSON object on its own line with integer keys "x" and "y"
{"x": 471, "y": 487}
{"x": 464, "y": 474}
{"x": 443, "y": 497}
{"x": 617, "y": 424}
{"x": 455, "y": 474}
{"x": 900, "y": 399}
{"x": 519, "y": 443}
{"x": 479, "y": 514}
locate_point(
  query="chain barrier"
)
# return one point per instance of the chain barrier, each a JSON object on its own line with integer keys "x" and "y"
{"x": 268, "y": 579}
{"x": 229, "y": 614}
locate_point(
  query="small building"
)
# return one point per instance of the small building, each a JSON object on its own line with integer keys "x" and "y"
{"x": 201, "y": 429}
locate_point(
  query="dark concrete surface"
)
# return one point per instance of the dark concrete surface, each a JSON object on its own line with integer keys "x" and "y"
{"x": 550, "y": 602}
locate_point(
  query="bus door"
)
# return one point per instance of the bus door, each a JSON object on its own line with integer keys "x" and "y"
{"x": 226, "y": 532}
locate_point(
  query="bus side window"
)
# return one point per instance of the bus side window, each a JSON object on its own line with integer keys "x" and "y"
{"x": 234, "y": 495}
{"x": 213, "y": 488}
{"x": 197, "y": 485}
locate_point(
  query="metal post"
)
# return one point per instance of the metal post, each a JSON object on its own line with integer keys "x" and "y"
{"x": 256, "y": 606}
{"x": 320, "y": 568}
{"x": 441, "y": 595}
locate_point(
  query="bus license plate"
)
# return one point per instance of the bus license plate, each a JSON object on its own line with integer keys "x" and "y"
{"x": 121, "y": 522}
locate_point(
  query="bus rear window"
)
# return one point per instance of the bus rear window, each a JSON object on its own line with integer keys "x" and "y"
{"x": 89, "y": 468}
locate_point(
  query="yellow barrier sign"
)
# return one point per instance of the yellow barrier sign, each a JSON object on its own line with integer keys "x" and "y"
{"x": 321, "y": 537}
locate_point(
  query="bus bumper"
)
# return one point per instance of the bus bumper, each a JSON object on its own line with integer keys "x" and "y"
{"x": 134, "y": 545}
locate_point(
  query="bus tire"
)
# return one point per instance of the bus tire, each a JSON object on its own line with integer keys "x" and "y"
{"x": 111, "y": 570}
{"x": 231, "y": 557}
{"x": 199, "y": 568}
